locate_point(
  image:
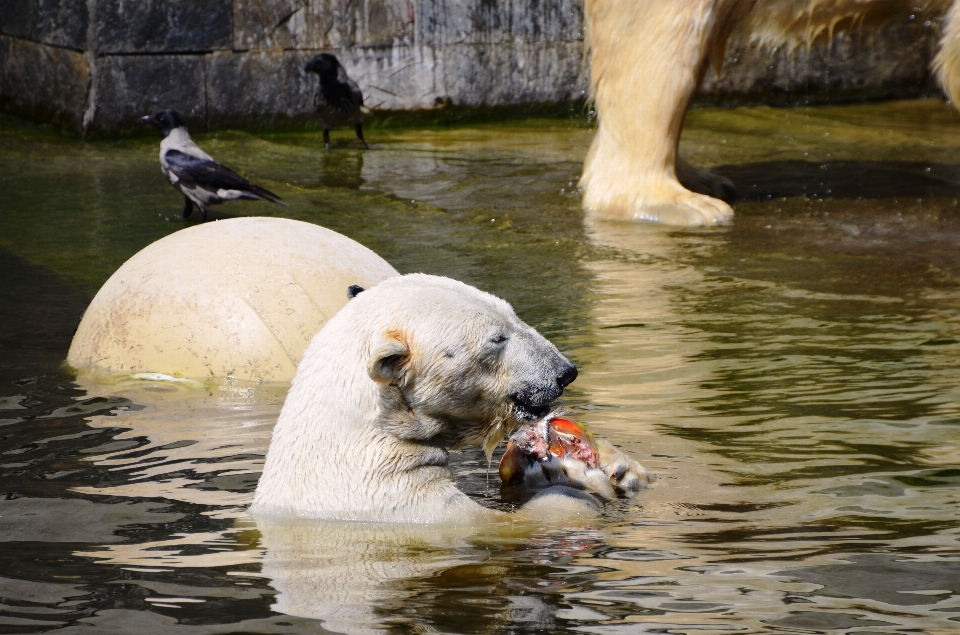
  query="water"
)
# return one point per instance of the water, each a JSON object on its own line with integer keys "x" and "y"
{"x": 793, "y": 380}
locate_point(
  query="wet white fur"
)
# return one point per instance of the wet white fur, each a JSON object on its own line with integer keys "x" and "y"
{"x": 649, "y": 56}
{"x": 405, "y": 372}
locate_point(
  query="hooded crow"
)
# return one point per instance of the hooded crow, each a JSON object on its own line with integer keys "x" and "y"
{"x": 201, "y": 180}
{"x": 338, "y": 98}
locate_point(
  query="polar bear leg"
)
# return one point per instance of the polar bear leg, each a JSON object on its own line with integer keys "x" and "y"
{"x": 647, "y": 59}
{"x": 947, "y": 62}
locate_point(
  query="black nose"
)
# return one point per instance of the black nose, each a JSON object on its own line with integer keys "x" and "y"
{"x": 568, "y": 376}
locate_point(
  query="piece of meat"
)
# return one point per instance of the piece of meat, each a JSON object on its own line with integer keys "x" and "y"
{"x": 532, "y": 448}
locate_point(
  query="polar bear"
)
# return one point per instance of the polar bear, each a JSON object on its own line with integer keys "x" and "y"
{"x": 648, "y": 57}
{"x": 409, "y": 370}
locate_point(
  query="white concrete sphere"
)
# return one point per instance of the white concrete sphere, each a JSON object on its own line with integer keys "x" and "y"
{"x": 237, "y": 298}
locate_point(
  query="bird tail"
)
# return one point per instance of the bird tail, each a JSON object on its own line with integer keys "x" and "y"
{"x": 265, "y": 194}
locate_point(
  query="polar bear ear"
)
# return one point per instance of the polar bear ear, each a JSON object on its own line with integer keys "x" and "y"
{"x": 386, "y": 363}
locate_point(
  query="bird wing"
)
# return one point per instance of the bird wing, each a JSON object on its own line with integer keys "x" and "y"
{"x": 356, "y": 97}
{"x": 197, "y": 172}
{"x": 194, "y": 171}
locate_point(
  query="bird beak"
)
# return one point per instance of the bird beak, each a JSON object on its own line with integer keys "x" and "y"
{"x": 149, "y": 120}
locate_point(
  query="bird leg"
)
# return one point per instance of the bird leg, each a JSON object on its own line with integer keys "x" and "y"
{"x": 203, "y": 212}
{"x": 359, "y": 130}
{"x": 187, "y": 207}
{"x": 326, "y": 138}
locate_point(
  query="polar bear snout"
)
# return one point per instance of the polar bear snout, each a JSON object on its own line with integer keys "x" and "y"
{"x": 534, "y": 400}
{"x": 569, "y": 374}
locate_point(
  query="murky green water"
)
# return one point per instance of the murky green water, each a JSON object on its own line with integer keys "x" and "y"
{"x": 794, "y": 380}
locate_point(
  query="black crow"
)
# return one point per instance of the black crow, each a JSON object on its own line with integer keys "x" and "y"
{"x": 201, "y": 180}
{"x": 338, "y": 97}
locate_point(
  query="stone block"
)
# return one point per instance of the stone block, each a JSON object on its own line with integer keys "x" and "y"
{"x": 4, "y": 54}
{"x": 401, "y": 77}
{"x": 57, "y": 22}
{"x": 45, "y": 83}
{"x": 258, "y": 89}
{"x": 270, "y": 24}
{"x": 394, "y": 78}
{"x": 378, "y": 23}
{"x": 205, "y": 25}
{"x": 322, "y": 24}
{"x": 18, "y": 18}
{"x": 163, "y": 26}
{"x": 497, "y": 74}
{"x": 450, "y": 22}
{"x": 131, "y": 86}
{"x": 894, "y": 57}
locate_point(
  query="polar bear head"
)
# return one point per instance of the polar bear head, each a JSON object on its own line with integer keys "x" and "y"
{"x": 406, "y": 371}
{"x": 457, "y": 360}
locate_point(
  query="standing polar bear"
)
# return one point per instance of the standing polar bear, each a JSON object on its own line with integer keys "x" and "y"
{"x": 415, "y": 367}
{"x": 648, "y": 57}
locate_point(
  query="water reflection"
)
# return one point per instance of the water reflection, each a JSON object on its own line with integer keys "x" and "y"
{"x": 368, "y": 578}
{"x": 344, "y": 171}
{"x": 797, "y": 395}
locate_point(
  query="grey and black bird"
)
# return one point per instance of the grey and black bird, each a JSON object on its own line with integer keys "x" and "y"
{"x": 201, "y": 180}
{"x": 338, "y": 98}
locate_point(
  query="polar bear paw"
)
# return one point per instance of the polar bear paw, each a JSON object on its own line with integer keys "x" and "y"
{"x": 662, "y": 200}
{"x": 683, "y": 208}
{"x": 616, "y": 473}
{"x": 625, "y": 474}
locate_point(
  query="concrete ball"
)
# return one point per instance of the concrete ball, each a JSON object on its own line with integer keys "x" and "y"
{"x": 238, "y": 298}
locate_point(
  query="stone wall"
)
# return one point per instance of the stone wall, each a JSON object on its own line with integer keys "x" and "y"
{"x": 891, "y": 61}
{"x": 97, "y": 65}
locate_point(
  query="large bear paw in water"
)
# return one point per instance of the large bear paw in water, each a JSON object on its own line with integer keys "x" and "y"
{"x": 237, "y": 298}
{"x": 658, "y": 200}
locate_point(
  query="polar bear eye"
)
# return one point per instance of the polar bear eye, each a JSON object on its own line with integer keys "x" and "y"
{"x": 499, "y": 339}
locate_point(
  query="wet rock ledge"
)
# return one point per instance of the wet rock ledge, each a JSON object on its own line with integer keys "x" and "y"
{"x": 97, "y": 65}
